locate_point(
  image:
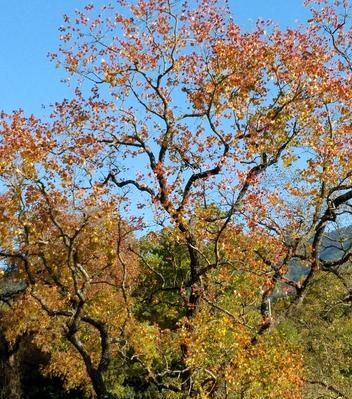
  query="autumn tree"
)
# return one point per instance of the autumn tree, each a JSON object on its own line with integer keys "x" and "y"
{"x": 65, "y": 244}
{"x": 237, "y": 145}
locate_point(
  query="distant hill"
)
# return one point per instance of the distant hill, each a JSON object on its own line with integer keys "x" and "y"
{"x": 333, "y": 245}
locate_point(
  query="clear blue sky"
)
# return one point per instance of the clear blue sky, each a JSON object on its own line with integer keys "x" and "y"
{"x": 29, "y": 30}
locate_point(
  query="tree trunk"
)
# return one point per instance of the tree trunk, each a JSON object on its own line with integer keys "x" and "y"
{"x": 11, "y": 386}
{"x": 99, "y": 385}
{"x": 95, "y": 375}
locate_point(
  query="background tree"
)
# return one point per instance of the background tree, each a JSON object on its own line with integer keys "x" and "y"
{"x": 66, "y": 245}
{"x": 322, "y": 326}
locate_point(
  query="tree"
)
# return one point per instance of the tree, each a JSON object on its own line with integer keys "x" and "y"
{"x": 322, "y": 326}
{"x": 65, "y": 264}
{"x": 237, "y": 144}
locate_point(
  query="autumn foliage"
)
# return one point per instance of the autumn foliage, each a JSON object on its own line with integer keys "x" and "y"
{"x": 157, "y": 215}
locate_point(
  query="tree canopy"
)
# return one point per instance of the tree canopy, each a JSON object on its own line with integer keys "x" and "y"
{"x": 171, "y": 223}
